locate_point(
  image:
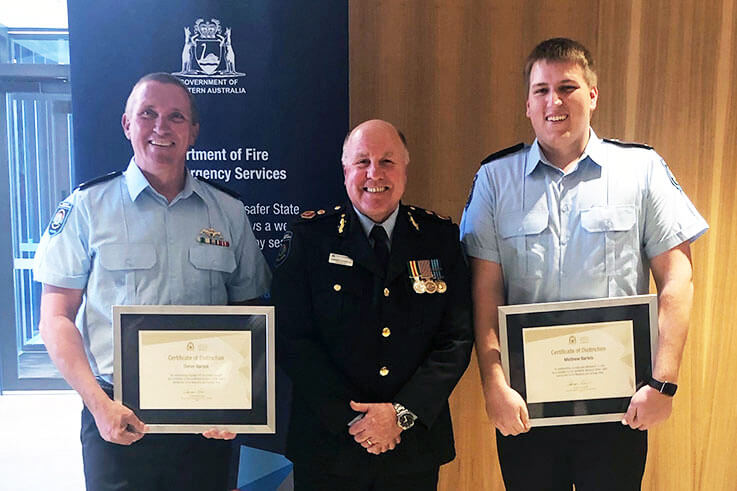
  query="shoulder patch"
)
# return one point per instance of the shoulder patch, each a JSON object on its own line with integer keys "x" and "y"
{"x": 219, "y": 187}
{"x": 470, "y": 193}
{"x": 627, "y": 144}
{"x": 60, "y": 218}
{"x": 502, "y": 153}
{"x": 99, "y": 179}
{"x": 286, "y": 243}
{"x": 671, "y": 176}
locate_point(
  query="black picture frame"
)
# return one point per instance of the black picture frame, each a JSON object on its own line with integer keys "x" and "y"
{"x": 129, "y": 320}
{"x": 641, "y": 310}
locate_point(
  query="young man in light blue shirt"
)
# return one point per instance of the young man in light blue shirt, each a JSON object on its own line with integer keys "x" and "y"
{"x": 573, "y": 217}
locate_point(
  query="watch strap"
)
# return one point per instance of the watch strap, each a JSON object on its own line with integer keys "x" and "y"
{"x": 667, "y": 388}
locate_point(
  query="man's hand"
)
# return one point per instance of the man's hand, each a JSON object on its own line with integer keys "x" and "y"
{"x": 378, "y": 430}
{"x": 507, "y": 410}
{"x": 647, "y": 408}
{"x": 117, "y": 423}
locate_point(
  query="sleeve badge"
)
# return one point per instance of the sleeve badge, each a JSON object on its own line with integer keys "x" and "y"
{"x": 60, "y": 218}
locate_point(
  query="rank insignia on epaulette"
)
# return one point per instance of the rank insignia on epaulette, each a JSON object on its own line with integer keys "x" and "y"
{"x": 308, "y": 214}
{"x": 341, "y": 225}
{"x": 60, "y": 218}
{"x": 212, "y": 237}
{"x": 413, "y": 222}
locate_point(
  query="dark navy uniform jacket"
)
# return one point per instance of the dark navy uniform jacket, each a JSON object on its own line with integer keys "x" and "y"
{"x": 347, "y": 333}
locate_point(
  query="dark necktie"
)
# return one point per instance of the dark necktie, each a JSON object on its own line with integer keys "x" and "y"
{"x": 381, "y": 246}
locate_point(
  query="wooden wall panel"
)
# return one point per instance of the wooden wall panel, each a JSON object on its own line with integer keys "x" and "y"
{"x": 448, "y": 72}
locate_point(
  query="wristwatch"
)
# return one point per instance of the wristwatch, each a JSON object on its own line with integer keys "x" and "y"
{"x": 667, "y": 388}
{"x": 405, "y": 417}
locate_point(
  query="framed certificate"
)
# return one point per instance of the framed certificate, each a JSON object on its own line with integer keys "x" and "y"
{"x": 187, "y": 369}
{"x": 579, "y": 361}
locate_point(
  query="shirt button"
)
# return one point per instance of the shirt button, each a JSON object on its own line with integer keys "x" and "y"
{"x": 564, "y": 208}
{"x": 386, "y": 292}
{"x": 128, "y": 262}
{"x": 337, "y": 287}
{"x": 386, "y": 332}
{"x": 383, "y": 371}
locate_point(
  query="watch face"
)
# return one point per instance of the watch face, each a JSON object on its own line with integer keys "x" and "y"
{"x": 406, "y": 420}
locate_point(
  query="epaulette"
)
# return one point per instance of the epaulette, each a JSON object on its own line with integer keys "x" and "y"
{"x": 628, "y": 144}
{"x": 99, "y": 179}
{"x": 310, "y": 215}
{"x": 220, "y": 187}
{"x": 415, "y": 213}
{"x": 502, "y": 153}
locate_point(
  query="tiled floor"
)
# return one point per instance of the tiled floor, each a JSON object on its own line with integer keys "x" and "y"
{"x": 39, "y": 441}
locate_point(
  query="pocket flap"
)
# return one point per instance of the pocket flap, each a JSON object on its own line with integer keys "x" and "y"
{"x": 118, "y": 257}
{"x": 608, "y": 219}
{"x": 522, "y": 223}
{"x": 212, "y": 257}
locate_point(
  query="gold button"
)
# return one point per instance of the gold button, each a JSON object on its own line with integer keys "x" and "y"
{"x": 337, "y": 287}
{"x": 383, "y": 371}
{"x": 386, "y": 292}
{"x": 386, "y": 332}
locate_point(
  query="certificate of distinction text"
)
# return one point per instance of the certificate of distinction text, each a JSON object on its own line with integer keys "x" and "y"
{"x": 194, "y": 369}
{"x": 579, "y": 361}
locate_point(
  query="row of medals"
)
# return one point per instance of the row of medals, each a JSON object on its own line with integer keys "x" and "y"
{"x": 429, "y": 285}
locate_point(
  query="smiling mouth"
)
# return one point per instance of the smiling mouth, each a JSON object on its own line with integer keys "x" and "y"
{"x": 162, "y": 143}
{"x": 379, "y": 189}
{"x": 557, "y": 118}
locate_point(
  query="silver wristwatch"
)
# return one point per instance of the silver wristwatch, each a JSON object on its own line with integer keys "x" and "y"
{"x": 405, "y": 417}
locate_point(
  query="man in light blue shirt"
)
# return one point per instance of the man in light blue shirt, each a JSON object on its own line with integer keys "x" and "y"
{"x": 574, "y": 217}
{"x": 149, "y": 235}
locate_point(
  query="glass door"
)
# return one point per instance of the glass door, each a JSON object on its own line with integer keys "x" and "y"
{"x": 39, "y": 175}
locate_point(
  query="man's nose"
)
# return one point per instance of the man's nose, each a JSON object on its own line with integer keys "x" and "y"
{"x": 161, "y": 125}
{"x": 374, "y": 170}
{"x": 555, "y": 99}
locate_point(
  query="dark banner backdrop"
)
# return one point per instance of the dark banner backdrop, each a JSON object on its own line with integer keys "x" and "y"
{"x": 271, "y": 82}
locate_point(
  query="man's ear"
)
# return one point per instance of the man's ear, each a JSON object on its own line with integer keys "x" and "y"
{"x": 126, "y": 124}
{"x": 193, "y": 134}
{"x": 594, "y": 95}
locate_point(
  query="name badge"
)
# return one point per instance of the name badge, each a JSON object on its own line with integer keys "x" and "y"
{"x": 340, "y": 259}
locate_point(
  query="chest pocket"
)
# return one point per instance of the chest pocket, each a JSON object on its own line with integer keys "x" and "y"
{"x": 616, "y": 224}
{"x": 522, "y": 242}
{"x": 124, "y": 260}
{"x": 212, "y": 258}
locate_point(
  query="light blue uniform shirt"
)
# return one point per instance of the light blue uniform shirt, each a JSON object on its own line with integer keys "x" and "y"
{"x": 124, "y": 244}
{"x": 586, "y": 234}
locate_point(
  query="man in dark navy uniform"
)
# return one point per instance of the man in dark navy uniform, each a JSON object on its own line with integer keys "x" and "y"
{"x": 375, "y": 330}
